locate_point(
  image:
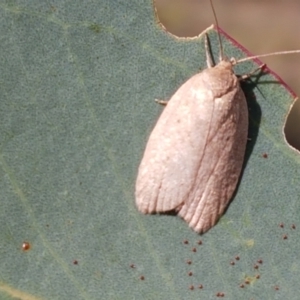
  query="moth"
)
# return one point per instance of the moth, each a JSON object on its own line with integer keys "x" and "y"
{"x": 195, "y": 153}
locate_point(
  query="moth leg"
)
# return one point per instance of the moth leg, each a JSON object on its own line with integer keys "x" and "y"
{"x": 246, "y": 76}
{"x": 162, "y": 102}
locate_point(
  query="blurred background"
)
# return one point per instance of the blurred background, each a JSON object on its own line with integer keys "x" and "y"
{"x": 261, "y": 26}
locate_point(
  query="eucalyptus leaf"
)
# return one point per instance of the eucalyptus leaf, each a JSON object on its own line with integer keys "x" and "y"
{"x": 78, "y": 82}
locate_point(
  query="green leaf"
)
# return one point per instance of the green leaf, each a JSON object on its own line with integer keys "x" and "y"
{"x": 78, "y": 82}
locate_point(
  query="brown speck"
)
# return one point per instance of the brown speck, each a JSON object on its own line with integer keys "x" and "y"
{"x": 260, "y": 261}
{"x": 218, "y": 294}
{"x": 189, "y": 262}
{"x": 185, "y": 242}
{"x": 232, "y": 263}
{"x": 191, "y": 287}
{"x": 142, "y": 277}
{"x": 222, "y": 294}
{"x": 247, "y": 281}
{"x": 276, "y": 287}
{"x": 257, "y": 276}
{"x": 237, "y": 258}
{"x": 200, "y": 286}
{"x": 199, "y": 242}
{"x": 132, "y": 266}
{"x": 256, "y": 267}
{"x": 281, "y": 225}
{"x": 190, "y": 273}
{"x": 293, "y": 226}
{"x": 75, "y": 262}
{"x": 242, "y": 286}
{"x": 285, "y": 237}
{"x": 26, "y": 246}
{"x": 194, "y": 249}
{"x": 265, "y": 155}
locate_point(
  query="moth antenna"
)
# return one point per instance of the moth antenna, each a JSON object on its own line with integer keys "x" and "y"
{"x": 265, "y": 55}
{"x": 221, "y": 54}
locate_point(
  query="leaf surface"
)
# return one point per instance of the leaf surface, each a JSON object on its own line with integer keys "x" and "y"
{"x": 78, "y": 83}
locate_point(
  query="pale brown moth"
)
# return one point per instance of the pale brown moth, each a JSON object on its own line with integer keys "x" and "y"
{"x": 194, "y": 155}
